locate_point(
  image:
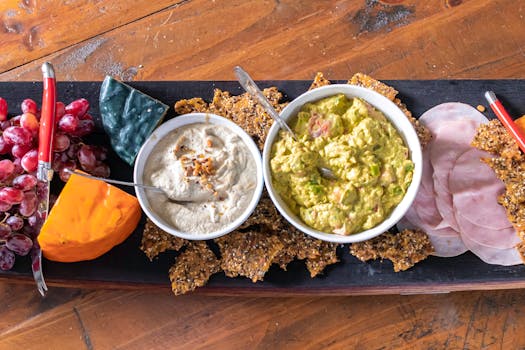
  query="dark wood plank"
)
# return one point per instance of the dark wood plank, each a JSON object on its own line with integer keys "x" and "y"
{"x": 126, "y": 266}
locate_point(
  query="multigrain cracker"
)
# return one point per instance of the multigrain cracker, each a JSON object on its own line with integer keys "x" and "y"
{"x": 156, "y": 241}
{"x": 404, "y": 249}
{"x": 319, "y": 81}
{"x": 265, "y": 213}
{"x": 193, "y": 268}
{"x": 327, "y": 256}
{"x": 246, "y": 112}
{"x": 248, "y": 254}
{"x": 191, "y": 105}
{"x": 492, "y": 137}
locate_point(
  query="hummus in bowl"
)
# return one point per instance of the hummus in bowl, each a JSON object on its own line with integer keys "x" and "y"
{"x": 369, "y": 145}
{"x": 210, "y": 170}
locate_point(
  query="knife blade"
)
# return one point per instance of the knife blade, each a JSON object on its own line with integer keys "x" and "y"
{"x": 44, "y": 171}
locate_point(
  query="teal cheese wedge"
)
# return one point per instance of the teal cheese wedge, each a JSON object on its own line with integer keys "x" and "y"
{"x": 129, "y": 117}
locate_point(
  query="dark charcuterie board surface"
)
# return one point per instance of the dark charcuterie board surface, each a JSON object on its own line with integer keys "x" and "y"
{"x": 125, "y": 266}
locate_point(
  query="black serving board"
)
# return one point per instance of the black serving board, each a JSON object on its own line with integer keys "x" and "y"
{"x": 125, "y": 266}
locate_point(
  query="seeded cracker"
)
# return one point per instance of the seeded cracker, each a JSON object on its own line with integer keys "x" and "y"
{"x": 193, "y": 268}
{"x": 404, "y": 249}
{"x": 192, "y": 105}
{"x": 493, "y": 138}
{"x": 156, "y": 241}
{"x": 319, "y": 81}
{"x": 248, "y": 254}
{"x": 265, "y": 214}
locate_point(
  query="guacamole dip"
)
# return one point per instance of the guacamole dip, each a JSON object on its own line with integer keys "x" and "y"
{"x": 362, "y": 148}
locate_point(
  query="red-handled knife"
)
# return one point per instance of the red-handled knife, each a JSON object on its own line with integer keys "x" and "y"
{"x": 44, "y": 172}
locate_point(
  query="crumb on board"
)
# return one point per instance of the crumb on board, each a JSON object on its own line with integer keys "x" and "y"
{"x": 404, "y": 249}
{"x": 156, "y": 241}
{"x": 481, "y": 108}
{"x": 249, "y": 254}
{"x": 193, "y": 268}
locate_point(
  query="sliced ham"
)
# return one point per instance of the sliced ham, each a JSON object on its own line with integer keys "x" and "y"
{"x": 475, "y": 190}
{"x": 446, "y": 242}
{"x": 491, "y": 255}
{"x": 451, "y": 111}
{"x": 498, "y": 239}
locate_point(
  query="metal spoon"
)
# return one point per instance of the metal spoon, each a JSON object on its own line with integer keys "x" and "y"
{"x": 131, "y": 184}
{"x": 249, "y": 85}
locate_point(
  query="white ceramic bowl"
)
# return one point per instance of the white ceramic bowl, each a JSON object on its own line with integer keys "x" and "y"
{"x": 168, "y": 127}
{"x": 398, "y": 119}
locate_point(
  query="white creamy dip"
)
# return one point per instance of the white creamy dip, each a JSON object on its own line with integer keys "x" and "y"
{"x": 208, "y": 169}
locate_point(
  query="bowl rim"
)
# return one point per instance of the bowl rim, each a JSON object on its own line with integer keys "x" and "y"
{"x": 171, "y": 125}
{"x": 393, "y": 114}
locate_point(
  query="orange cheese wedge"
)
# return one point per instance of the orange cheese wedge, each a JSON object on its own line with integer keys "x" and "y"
{"x": 520, "y": 123}
{"x": 88, "y": 219}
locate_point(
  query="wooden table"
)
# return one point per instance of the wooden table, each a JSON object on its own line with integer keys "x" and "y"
{"x": 280, "y": 39}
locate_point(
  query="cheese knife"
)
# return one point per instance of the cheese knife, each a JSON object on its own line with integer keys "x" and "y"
{"x": 44, "y": 170}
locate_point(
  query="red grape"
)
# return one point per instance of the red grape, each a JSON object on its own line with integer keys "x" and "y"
{"x": 101, "y": 170}
{"x": 78, "y": 107}
{"x": 101, "y": 153}
{"x": 86, "y": 116}
{"x": 18, "y": 167}
{"x": 6, "y": 169}
{"x": 15, "y": 121}
{"x": 61, "y": 142}
{"x": 28, "y": 205}
{"x": 64, "y": 172}
{"x": 30, "y": 161}
{"x": 5, "y": 231}
{"x": 85, "y": 127}
{"x": 15, "y": 222}
{"x": 19, "y": 243}
{"x": 86, "y": 158}
{"x": 29, "y": 122}
{"x": 68, "y": 123}
{"x": 29, "y": 106}
{"x": 59, "y": 158}
{"x": 73, "y": 150}
{"x": 34, "y": 220}
{"x": 5, "y": 124}
{"x": 18, "y": 151}
{"x": 17, "y": 135}
{"x": 7, "y": 259}
{"x": 25, "y": 182}
{"x": 3, "y": 109}
{"x": 11, "y": 195}
{"x": 4, "y": 207}
{"x": 60, "y": 110}
{"x": 4, "y": 147}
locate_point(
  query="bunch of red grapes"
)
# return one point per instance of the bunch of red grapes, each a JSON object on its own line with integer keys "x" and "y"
{"x": 20, "y": 192}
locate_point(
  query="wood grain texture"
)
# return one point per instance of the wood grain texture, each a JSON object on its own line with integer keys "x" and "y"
{"x": 281, "y": 39}
{"x": 286, "y": 39}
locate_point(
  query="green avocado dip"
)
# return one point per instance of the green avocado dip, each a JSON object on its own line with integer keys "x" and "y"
{"x": 363, "y": 149}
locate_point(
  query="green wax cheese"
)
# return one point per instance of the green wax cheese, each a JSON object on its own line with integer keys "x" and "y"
{"x": 129, "y": 117}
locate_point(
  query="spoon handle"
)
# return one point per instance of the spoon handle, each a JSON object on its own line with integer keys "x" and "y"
{"x": 116, "y": 182}
{"x": 249, "y": 85}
